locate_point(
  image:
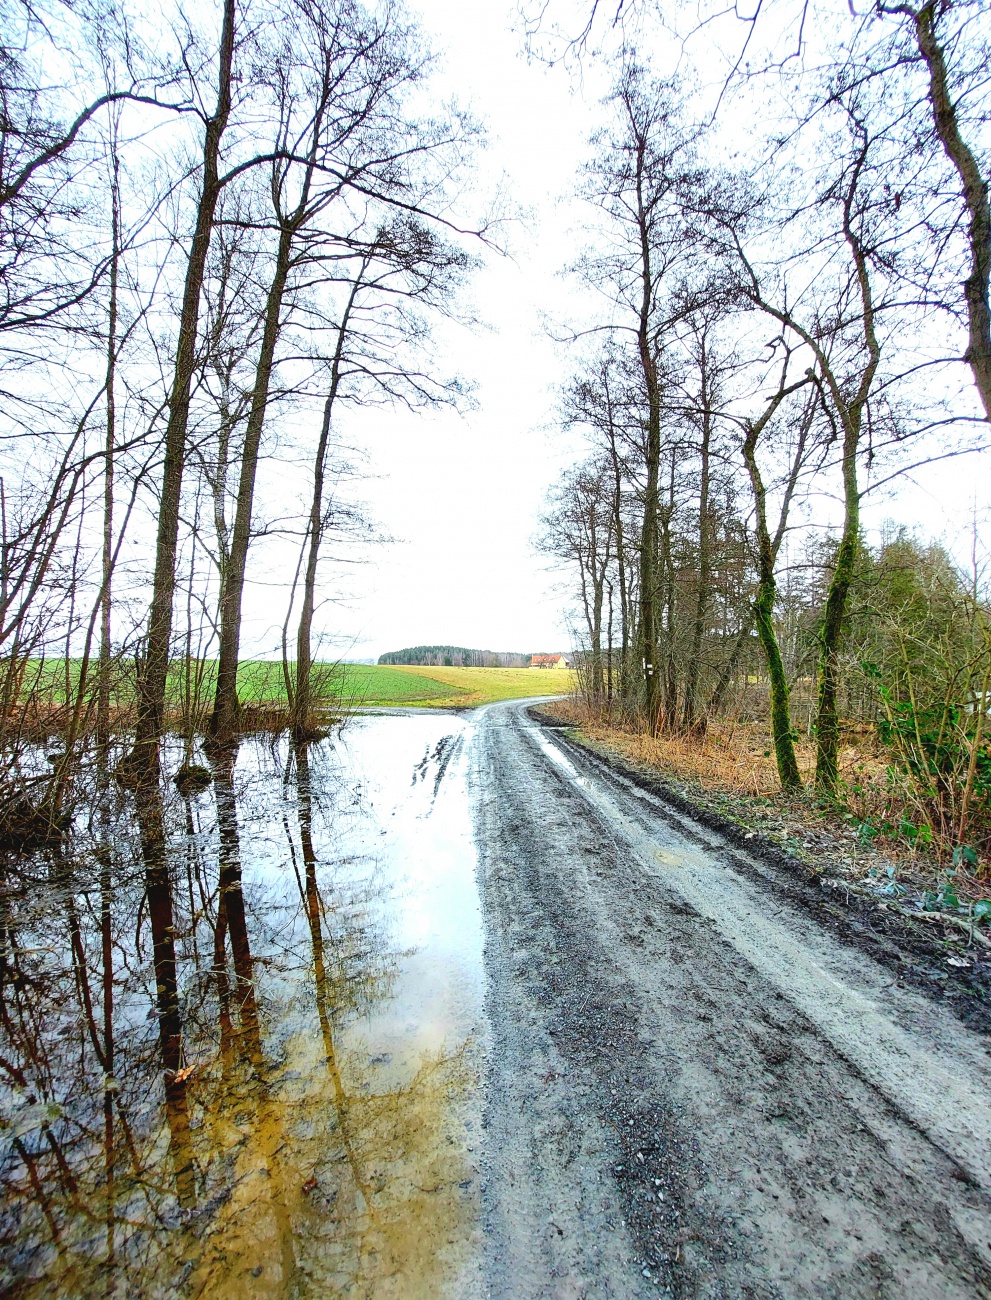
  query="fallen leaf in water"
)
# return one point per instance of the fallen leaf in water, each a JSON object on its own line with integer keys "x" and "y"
{"x": 309, "y": 1186}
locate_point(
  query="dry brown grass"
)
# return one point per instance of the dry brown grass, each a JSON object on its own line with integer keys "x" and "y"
{"x": 733, "y": 755}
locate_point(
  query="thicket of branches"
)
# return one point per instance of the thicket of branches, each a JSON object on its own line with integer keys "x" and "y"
{"x": 220, "y": 229}
{"x": 793, "y": 311}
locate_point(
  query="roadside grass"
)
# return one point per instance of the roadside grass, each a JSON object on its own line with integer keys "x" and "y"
{"x": 470, "y": 687}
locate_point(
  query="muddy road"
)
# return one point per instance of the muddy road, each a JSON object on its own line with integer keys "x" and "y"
{"x": 693, "y": 1087}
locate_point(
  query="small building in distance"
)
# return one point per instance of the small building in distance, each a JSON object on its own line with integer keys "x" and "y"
{"x": 550, "y": 661}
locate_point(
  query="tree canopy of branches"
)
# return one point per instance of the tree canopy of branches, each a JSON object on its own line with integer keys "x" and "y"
{"x": 770, "y": 335}
{"x": 220, "y": 231}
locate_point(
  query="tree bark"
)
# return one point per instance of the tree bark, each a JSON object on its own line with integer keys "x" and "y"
{"x": 666, "y": 568}
{"x": 103, "y": 697}
{"x": 648, "y": 622}
{"x": 153, "y": 672}
{"x": 693, "y": 719}
{"x": 763, "y": 607}
{"x": 224, "y": 723}
{"x": 620, "y": 546}
{"x": 975, "y": 194}
{"x": 827, "y": 717}
{"x": 302, "y": 701}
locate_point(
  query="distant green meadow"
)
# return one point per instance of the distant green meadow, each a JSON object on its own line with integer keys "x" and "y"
{"x": 338, "y": 686}
{"x": 259, "y": 682}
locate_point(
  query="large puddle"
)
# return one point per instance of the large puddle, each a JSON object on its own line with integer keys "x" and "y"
{"x": 241, "y": 1032}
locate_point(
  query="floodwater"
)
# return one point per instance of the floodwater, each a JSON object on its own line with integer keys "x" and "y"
{"x": 241, "y": 1031}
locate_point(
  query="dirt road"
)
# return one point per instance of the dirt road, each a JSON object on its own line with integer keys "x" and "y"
{"x": 695, "y": 1087}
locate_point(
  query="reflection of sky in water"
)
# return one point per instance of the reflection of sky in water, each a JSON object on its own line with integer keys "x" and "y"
{"x": 341, "y": 1154}
{"x": 391, "y": 812}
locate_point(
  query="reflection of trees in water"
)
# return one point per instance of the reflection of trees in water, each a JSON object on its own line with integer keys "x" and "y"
{"x": 185, "y": 1098}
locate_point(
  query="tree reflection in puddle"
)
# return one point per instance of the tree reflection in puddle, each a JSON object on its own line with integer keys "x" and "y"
{"x": 223, "y": 1068}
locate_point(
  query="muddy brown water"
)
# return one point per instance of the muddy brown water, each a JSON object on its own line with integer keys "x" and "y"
{"x": 276, "y": 1091}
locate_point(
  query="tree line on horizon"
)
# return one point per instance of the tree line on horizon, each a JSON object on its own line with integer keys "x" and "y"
{"x": 784, "y": 320}
{"x": 452, "y": 656}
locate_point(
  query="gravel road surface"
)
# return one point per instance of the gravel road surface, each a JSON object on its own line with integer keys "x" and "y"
{"x": 695, "y": 1088}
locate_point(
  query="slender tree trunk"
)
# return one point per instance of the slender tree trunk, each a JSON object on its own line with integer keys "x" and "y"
{"x": 649, "y": 587}
{"x": 827, "y": 717}
{"x": 153, "y": 673}
{"x": 301, "y": 700}
{"x": 851, "y": 414}
{"x": 302, "y": 704}
{"x": 975, "y": 193}
{"x": 103, "y": 698}
{"x": 666, "y": 574}
{"x": 694, "y": 721}
{"x": 223, "y": 725}
{"x": 609, "y": 649}
{"x": 598, "y": 596}
{"x": 620, "y": 546}
{"x": 781, "y": 728}
{"x": 782, "y": 731}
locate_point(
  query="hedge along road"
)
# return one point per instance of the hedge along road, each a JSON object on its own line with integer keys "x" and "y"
{"x": 694, "y": 1087}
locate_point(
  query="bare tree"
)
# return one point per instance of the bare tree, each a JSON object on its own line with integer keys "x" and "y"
{"x": 643, "y": 165}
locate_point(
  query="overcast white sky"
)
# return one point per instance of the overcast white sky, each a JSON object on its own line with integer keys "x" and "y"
{"x": 461, "y": 495}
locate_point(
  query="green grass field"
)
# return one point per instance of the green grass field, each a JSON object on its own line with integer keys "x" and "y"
{"x": 260, "y": 682}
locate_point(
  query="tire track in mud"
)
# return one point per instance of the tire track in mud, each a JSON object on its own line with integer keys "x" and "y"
{"x": 660, "y": 1118}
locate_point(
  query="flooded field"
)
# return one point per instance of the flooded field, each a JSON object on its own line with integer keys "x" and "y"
{"x": 242, "y": 1029}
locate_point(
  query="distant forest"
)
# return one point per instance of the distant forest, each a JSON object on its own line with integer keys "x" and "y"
{"x": 454, "y": 656}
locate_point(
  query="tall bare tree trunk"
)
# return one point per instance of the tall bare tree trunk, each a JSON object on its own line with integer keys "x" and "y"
{"x": 648, "y": 629}
{"x": 223, "y": 724}
{"x": 851, "y": 413}
{"x": 103, "y": 698}
{"x": 975, "y": 194}
{"x": 666, "y": 573}
{"x": 763, "y": 607}
{"x": 153, "y": 673}
{"x": 302, "y": 703}
{"x": 620, "y": 544}
{"x": 301, "y": 699}
{"x": 694, "y": 720}
{"x": 831, "y": 632}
